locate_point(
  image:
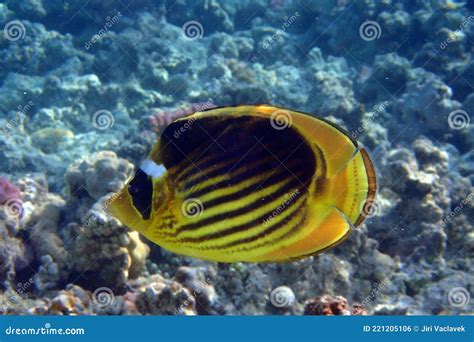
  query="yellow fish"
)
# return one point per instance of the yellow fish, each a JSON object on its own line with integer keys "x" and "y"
{"x": 249, "y": 183}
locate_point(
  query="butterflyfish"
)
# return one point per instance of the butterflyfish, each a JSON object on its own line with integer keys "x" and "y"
{"x": 249, "y": 184}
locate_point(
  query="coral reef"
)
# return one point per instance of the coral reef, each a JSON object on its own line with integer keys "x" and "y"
{"x": 98, "y": 244}
{"x": 99, "y": 175}
{"x": 165, "y": 297}
{"x": 87, "y": 87}
{"x": 160, "y": 118}
{"x": 8, "y": 191}
{"x": 329, "y": 306}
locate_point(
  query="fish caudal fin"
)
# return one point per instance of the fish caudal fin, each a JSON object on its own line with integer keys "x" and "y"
{"x": 354, "y": 187}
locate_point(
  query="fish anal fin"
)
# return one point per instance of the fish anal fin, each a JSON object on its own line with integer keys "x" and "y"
{"x": 314, "y": 238}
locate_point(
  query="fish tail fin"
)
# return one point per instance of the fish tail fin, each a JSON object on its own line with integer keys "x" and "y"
{"x": 354, "y": 187}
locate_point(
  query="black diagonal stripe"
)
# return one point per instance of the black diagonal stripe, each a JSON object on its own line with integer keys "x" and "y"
{"x": 216, "y": 139}
{"x": 240, "y": 211}
{"x": 203, "y": 163}
{"x": 274, "y": 179}
{"x": 238, "y": 146}
{"x": 183, "y": 166}
{"x": 231, "y": 154}
{"x": 271, "y": 167}
{"x": 246, "y": 226}
{"x": 295, "y": 228}
{"x": 187, "y": 161}
{"x": 200, "y": 131}
{"x": 323, "y": 165}
{"x": 234, "y": 166}
{"x": 321, "y": 181}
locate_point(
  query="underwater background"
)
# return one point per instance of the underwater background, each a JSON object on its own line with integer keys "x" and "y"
{"x": 87, "y": 87}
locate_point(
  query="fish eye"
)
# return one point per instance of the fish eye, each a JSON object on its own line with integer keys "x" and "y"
{"x": 141, "y": 192}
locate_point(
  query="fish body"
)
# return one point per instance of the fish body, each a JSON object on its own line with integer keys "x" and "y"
{"x": 249, "y": 184}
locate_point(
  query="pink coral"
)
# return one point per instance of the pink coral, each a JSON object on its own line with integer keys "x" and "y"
{"x": 8, "y": 191}
{"x": 162, "y": 118}
{"x": 10, "y": 199}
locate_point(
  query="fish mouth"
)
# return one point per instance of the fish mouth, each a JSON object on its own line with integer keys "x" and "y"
{"x": 119, "y": 205}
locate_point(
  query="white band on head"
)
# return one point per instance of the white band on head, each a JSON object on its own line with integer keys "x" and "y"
{"x": 152, "y": 169}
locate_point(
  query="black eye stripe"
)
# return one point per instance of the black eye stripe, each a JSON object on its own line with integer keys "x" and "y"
{"x": 141, "y": 191}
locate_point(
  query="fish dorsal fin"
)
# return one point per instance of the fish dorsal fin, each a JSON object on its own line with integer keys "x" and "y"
{"x": 337, "y": 145}
{"x": 349, "y": 172}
